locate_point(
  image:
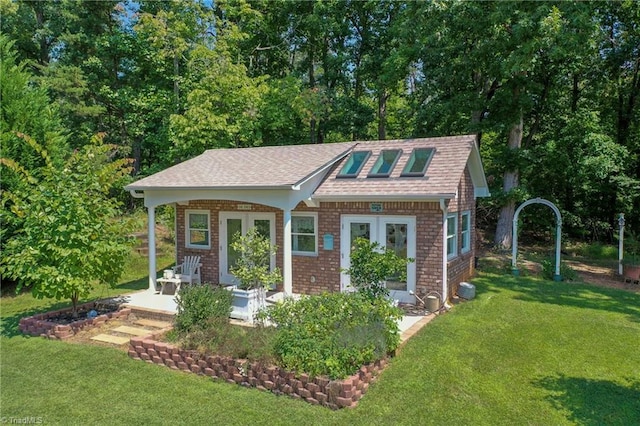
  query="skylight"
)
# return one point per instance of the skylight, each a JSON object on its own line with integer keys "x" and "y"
{"x": 354, "y": 164}
{"x": 418, "y": 162}
{"x": 385, "y": 163}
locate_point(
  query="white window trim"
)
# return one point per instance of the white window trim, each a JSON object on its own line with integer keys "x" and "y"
{"x": 315, "y": 228}
{"x": 465, "y": 236}
{"x": 187, "y": 230}
{"x": 454, "y": 236}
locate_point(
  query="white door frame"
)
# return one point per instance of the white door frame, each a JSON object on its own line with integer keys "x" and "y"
{"x": 377, "y": 227}
{"x": 247, "y": 222}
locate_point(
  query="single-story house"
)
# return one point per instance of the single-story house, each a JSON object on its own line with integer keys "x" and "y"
{"x": 414, "y": 196}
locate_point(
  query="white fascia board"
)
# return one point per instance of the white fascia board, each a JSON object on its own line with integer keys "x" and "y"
{"x": 278, "y": 198}
{"x": 478, "y": 177}
{"x": 322, "y": 170}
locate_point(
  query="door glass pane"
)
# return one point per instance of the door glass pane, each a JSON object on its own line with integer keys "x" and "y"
{"x": 234, "y": 228}
{"x": 396, "y": 240}
{"x": 360, "y": 230}
{"x": 263, "y": 226}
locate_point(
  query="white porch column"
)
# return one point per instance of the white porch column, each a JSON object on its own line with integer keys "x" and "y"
{"x": 151, "y": 236}
{"x": 287, "y": 266}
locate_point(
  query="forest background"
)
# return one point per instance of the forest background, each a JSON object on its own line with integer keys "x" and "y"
{"x": 551, "y": 88}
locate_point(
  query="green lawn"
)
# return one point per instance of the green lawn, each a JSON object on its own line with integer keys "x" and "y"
{"x": 525, "y": 351}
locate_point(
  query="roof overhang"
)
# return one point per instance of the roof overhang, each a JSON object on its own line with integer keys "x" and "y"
{"x": 480, "y": 185}
{"x": 384, "y": 197}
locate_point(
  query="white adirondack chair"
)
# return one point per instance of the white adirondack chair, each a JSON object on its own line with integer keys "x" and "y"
{"x": 189, "y": 270}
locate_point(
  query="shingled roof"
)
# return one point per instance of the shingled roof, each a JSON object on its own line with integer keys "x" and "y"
{"x": 440, "y": 180}
{"x": 285, "y": 167}
{"x": 246, "y": 168}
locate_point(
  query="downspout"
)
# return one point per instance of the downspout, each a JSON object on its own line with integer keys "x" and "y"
{"x": 445, "y": 280}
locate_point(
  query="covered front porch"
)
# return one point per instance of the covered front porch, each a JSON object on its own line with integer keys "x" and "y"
{"x": 276, "y": 178}
{"x": 166, "y": 305}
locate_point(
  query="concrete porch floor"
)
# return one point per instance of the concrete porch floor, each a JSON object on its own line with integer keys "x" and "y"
{"x": 150, "y": 300}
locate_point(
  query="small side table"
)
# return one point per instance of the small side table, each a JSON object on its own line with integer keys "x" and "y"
{"x": 164, "y": 281}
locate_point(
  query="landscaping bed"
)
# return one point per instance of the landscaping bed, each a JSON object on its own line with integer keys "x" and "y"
{"x": 334, "y": 394}
{"x": 61, "y": 325}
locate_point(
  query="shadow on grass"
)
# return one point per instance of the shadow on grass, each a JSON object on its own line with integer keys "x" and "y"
{"x": 594, "y": 402}
{"x": 566, "y": 294}
{"x": 9, "y": 324}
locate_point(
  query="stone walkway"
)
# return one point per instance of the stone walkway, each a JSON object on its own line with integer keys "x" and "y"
{"x": 121, "y": 334}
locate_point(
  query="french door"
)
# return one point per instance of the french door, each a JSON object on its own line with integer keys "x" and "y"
{"x": 234, "y": 223}
{"x": 397, "y": 233}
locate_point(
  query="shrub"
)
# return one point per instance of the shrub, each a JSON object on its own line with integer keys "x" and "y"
{"x": 218, "y": 336}
{"x": 549, "y": 270}
{"x": 199, "y": 303}
{"x": 372, "y": 265}
{"x": 333, "y": 334}
{"x": 252, "y": 268}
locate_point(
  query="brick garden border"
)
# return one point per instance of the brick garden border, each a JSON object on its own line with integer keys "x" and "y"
{"x": 334, "y": 394}
{"x": 38, "y": 325}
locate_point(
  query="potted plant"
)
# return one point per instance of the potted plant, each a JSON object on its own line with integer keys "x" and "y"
{"x": 253, "y": 272}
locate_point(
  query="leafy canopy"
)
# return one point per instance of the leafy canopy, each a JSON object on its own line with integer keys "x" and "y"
{"x": 70, "y": 237}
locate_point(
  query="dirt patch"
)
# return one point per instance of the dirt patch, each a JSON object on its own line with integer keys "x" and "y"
{"x": 588, "y": 273}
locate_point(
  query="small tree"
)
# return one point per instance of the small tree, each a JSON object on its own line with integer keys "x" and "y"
{"x": 252, "y": 268}
{"x": 69, "y": 238}
{"x": 372, "y": 265}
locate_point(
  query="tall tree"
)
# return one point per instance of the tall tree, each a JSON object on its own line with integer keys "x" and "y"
{"x": 70, "y": 237}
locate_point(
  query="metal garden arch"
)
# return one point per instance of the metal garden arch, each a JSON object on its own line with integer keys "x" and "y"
{"x": 514, "y": 248}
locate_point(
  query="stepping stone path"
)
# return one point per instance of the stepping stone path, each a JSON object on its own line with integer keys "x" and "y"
{"x": 115, "y": 335}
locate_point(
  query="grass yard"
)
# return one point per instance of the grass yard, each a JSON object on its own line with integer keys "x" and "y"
{"x": 525, "y": 351}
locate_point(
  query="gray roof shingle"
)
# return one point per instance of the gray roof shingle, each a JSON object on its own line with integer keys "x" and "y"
{"x": 260, "y": 167}
{"x": 286, "y": 166}
{"x": 441, "y": 178}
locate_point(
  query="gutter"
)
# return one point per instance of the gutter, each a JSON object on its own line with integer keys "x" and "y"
{"x": 384, "y": 197}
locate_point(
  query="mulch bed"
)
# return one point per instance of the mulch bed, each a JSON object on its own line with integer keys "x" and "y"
{"x": 100, "y": 308}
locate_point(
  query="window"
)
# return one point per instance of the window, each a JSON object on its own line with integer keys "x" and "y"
{"x": 197, "y": 229}
{"x": 385, "y": 163}
{"x": 465, "y": 233}
{"x": 354, "y": 164}
{"x": 418, "y": 162}
{"x": 304, "y": 235}
{"x": 452, "y": 235}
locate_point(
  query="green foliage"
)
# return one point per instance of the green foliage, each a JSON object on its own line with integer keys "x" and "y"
{"x": 371, "y": 266}
{"x": 253, "y": 267}
{"x": 200, "y": 303}
{"x": 70, "y": 233}
{"x": 218, "y": 336}
{"x": 596, "y": 250}
{"x": 333, "y": 334}
{"x": 549, "y": 270}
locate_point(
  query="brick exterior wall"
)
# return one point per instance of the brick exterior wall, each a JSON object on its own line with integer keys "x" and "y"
{"x": 315, "y": 274}
{"x": 462, "y": 268}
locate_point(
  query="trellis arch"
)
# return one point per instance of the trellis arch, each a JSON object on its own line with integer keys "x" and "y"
{"x": 514, "y": 246}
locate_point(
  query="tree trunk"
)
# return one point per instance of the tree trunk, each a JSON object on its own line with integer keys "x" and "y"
{"x": 74, "y": 302}
{"x": 176, "y": 82}
{"x": 382, "y": 114}
{"x": 504, "y": 230}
